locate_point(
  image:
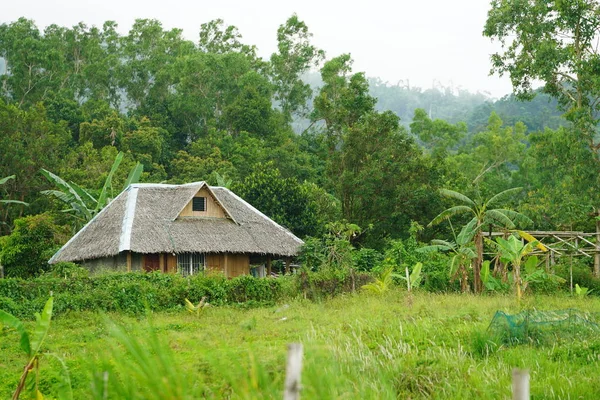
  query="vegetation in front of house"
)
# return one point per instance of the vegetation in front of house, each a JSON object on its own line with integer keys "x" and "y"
{"x": 356, "y": 346}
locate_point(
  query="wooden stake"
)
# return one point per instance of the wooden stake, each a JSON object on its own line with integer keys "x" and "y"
{"x": 268, "y": 266}
{"x": 520, "y": 384}
{"x": 597, "y": 253}
{"x": 129, "y": 261}
{"x": 292, "y": 372}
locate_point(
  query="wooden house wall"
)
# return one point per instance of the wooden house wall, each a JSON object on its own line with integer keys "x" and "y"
{"x": 231, "y": 265}
{"x": 213, "y": 209}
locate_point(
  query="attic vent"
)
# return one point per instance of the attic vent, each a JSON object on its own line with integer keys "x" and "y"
{"x": 199, "y": 204}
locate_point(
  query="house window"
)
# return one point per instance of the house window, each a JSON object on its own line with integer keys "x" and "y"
{"x": 199, "y": 204}
{"x": 190, "y": 263}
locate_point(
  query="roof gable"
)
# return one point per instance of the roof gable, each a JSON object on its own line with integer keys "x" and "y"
{"x": 214, "y": 208}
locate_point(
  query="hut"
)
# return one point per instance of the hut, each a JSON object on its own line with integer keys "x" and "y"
{"x": 187, "y": 229}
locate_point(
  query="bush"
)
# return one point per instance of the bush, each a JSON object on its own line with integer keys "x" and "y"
{"x": 27, "y": 249}
{"x": 582, "y": 275}
{"x": 366, "y": 259}
{"x": 134, "y": 293}
{"x": 329, "y": 282}
{"x": 66, "y": 270}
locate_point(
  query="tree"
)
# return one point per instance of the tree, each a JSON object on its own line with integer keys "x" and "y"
{"x": 483, "y": 217}
{"x": 554, "y": 42}
{"x": 558, "y": 171}
{"x": 282, "y": 199}
{"x": 438, "y": 135}
{"x": 373, "y": 166}
{"x": 26, "y": 251}
{"x": 295, "y": 56}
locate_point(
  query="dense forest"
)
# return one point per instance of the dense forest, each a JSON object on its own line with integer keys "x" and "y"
{"x": 307, "y": 148}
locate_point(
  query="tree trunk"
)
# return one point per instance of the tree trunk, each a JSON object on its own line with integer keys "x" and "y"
{"x": 478, "y": 261}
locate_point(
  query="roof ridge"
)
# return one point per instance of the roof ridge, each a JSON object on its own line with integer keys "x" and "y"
{"x": 128, "y": 216}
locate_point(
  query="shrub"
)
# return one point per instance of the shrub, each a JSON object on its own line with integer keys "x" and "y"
{"x": 582, "y": 275}
{"x": 34, "y": 240}
{"x": 133, "y": 293}
{"x": 366, "y": 259}
{"x": 329, "y": 282}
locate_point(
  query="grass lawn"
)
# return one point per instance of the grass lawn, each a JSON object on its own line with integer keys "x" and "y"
{"x": 356, "y": 347}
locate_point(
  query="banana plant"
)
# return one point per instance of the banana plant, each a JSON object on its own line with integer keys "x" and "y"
{"x": 7, "y": 201}
{"x": 81, "y": 204}
{"x": 463, "y": 254}
{"x": 490, "y": 282}
{"x": 196, "y": 309}
{"x": 517, "y": 253}
{"x": 381, "y": 284}
{"x": 413, "y": 279}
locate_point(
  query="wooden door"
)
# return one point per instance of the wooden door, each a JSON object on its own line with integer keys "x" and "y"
{"x": 151, "y": 262}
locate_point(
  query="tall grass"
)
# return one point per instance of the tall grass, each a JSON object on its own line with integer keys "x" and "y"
{"x": 356, "y": 346}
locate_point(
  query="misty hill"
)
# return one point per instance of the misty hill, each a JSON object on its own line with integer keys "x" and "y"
{"x": 455, "y": 105}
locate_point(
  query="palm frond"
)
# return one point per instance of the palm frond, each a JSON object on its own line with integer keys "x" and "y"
{"x": 457, "y": 196}
{"x": 134, "y": 175}
{"x": 467, "y": 232}
{"x": 441, "y": 242}
{"x": 434, "y": 248}
{"x": 499, "y": 196}
{"x": 499, "y": 217}
{"x": 14, "y": 202}
{"x": 102, "y": 199}
{"x": 84, "y": 194}
{"x": 6, "y": 179}
{"x": 518, "y": 218}
{"x": 449, "y": 213}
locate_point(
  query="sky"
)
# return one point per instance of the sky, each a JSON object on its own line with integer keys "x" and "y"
{"x": 424, "y": 43}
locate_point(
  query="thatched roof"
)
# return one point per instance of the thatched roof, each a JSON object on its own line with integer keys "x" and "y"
{"x": 144, "y": 219}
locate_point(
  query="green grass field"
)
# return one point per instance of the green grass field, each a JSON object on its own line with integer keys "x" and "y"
{"x": 356, "y": 347}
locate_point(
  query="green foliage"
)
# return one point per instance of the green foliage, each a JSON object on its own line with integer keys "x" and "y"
{"x": 483, "y": 216}
{"x": 295, "y": 56}
{"x": 532, "y": 38}
{"x": 329, "y": 282}
{"x": 282, "y": 199}
{"x": 381, "y": 284}
{"x": 134, "y": 293}
{"x": 490, "y": 282}
{"x": 81, "y": 204}
{"x": 581, "y": 291}
{"x": 66, "y": 270}
{"x": 413, "y": 280}
{"x": 26, "y": 251}
{"x": 367, "y": 259}
{"x": 31, "y": 344}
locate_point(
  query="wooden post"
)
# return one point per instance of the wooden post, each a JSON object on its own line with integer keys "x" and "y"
{"x": 226, "y": 265}
{"x": 129, "y": 261}
{"x": 597, "y": 252}
{"x": 287, "y": 266}
{"x": 269, "y": 266}
{"x": 161, "y": 263}
{"x": 520, "y": 384}
{"x": 293, "y": 371}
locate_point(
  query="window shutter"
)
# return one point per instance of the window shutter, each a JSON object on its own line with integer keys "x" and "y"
{"x": 199, "y": 204}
